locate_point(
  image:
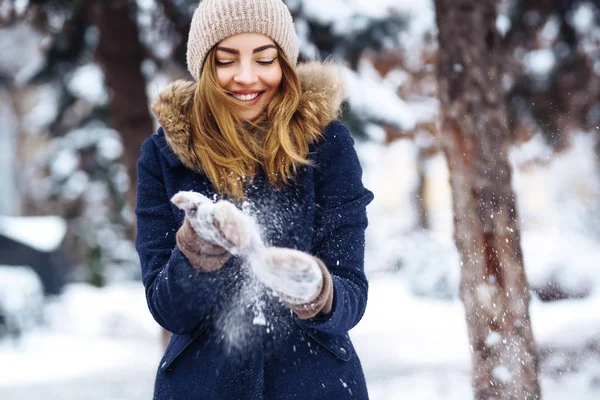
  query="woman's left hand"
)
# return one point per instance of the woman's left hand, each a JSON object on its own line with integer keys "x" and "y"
{"x": 301, "y": 280}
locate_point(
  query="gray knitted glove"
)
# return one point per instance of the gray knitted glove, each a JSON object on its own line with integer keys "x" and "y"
{"x": 300, "y": 280}
{"x": 202, "y": 254}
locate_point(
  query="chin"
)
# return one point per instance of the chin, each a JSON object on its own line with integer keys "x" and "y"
{"x": 248, "y": 117}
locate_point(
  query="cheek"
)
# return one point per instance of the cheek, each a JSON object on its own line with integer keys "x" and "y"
{"x": 274, "y": 78}
{"x": 222, "y": 78}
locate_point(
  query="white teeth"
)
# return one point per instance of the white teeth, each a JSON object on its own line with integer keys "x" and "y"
{"x": 245, "y": 97}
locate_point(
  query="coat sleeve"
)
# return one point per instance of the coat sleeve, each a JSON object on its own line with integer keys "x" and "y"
{"x": 179, "y": 297}
{"x": 339, "y": 231}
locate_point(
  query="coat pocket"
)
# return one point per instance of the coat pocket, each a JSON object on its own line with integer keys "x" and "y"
{"x": 339, "y": 345}
{"x": 177, "y": 346}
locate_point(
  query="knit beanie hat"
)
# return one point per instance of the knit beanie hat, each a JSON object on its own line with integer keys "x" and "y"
{"x": 215, "y": 20}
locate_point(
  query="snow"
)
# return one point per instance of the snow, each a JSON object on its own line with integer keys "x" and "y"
{"x": 117, "y": 311}
{"x": 503, "y": 24}
{"x": 87, "y": 136}
{"x": 110, "y": 148}
{"x": 540, "y": 62}
{"x": 65, "y": 163}
{"x": 582, "y": 17}
{"x": 347, "y": 15}
{"x": 20, "y": 5}
{"x": 41, "y": 233}
{"x": 501, "y": 373}
{"x": 39, "y": 107}
{"x": 576, "y": 322}
{"x": 87, "y": 82}
{"x": 549, "y": 258}
{"x": 21, "y": 296}
{"x": 64, "y": 159}
{"x": 21, "y": 55}
{"x": 418, "y": 346}
{"x": 410, "y": 346}
{"x": 493, "y": 339}
{"x": 376, "y": 133}
{"x": 220, "y": 223}
{"x": 75, "y": 185}
{"x": 370, "y": 97}
{"x": 146, "y": 4}
{"x": 422, "y": 16}
{"x": 294, "y": 275}
{"x": 551, "y": 29}
{"x": 567, "y": 181}
{"x": 340, "y": 12}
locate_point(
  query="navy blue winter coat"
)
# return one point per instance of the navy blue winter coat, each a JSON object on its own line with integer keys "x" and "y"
{"x": 232, "y": 339}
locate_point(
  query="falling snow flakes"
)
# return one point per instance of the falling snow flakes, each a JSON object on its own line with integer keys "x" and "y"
{"x": 259, "y": 319}
{"x": 345, "y": 385}
{"x": 501, "y": 374}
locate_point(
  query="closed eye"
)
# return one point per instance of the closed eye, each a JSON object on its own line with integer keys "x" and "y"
{"x": 223, "y": 63}
{"x": 267, "y": 62}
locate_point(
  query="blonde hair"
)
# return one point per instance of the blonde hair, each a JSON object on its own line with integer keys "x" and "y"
{"x": 231, "y": 151}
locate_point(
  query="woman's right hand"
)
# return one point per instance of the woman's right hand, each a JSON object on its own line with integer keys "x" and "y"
{"x": 202, "y": 254}
{"x": 196, "y": 237}
{"x": 219, "y": 223}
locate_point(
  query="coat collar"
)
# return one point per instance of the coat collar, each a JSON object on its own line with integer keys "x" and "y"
{"x": 322, "y": 89}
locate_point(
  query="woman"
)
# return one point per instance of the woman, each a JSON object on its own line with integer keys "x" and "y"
{"x": 256, "y": 131}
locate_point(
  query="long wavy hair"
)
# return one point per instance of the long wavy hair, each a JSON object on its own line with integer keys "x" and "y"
{"x": 231, "y": 151}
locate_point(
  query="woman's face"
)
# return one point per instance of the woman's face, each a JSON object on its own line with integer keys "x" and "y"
{"x": 248, "y": 69}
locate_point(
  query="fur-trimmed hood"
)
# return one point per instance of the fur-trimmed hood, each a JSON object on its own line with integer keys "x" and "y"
{"x": 322, "y": 89}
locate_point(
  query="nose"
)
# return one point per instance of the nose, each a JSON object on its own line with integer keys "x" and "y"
{"x": 246, "y": 74}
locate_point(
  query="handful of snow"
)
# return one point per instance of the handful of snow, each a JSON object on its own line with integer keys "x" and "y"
{"x": 294, "y": 275}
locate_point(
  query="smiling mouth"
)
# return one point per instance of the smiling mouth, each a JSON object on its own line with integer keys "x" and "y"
{"x": 246, "y": 97}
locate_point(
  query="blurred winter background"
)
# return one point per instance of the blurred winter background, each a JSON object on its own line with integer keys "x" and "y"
{"x": 75, "y": 81}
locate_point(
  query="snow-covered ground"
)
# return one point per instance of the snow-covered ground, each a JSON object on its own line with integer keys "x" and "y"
{"x": 103, "y": 344}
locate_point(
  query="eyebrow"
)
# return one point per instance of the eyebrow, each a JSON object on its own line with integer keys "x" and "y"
{"x": 256, "y": 50}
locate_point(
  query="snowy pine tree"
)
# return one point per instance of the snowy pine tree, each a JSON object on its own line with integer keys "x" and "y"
{"x": 72, "y": 159}
{"x": 349, "y": 32}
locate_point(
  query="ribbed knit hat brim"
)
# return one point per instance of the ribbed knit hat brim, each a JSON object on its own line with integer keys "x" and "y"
{"x": 215, "y": 20}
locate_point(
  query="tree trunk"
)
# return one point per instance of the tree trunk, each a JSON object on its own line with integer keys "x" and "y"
{"x": 475, "y": 139}
{"x": 120, "y": 54}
